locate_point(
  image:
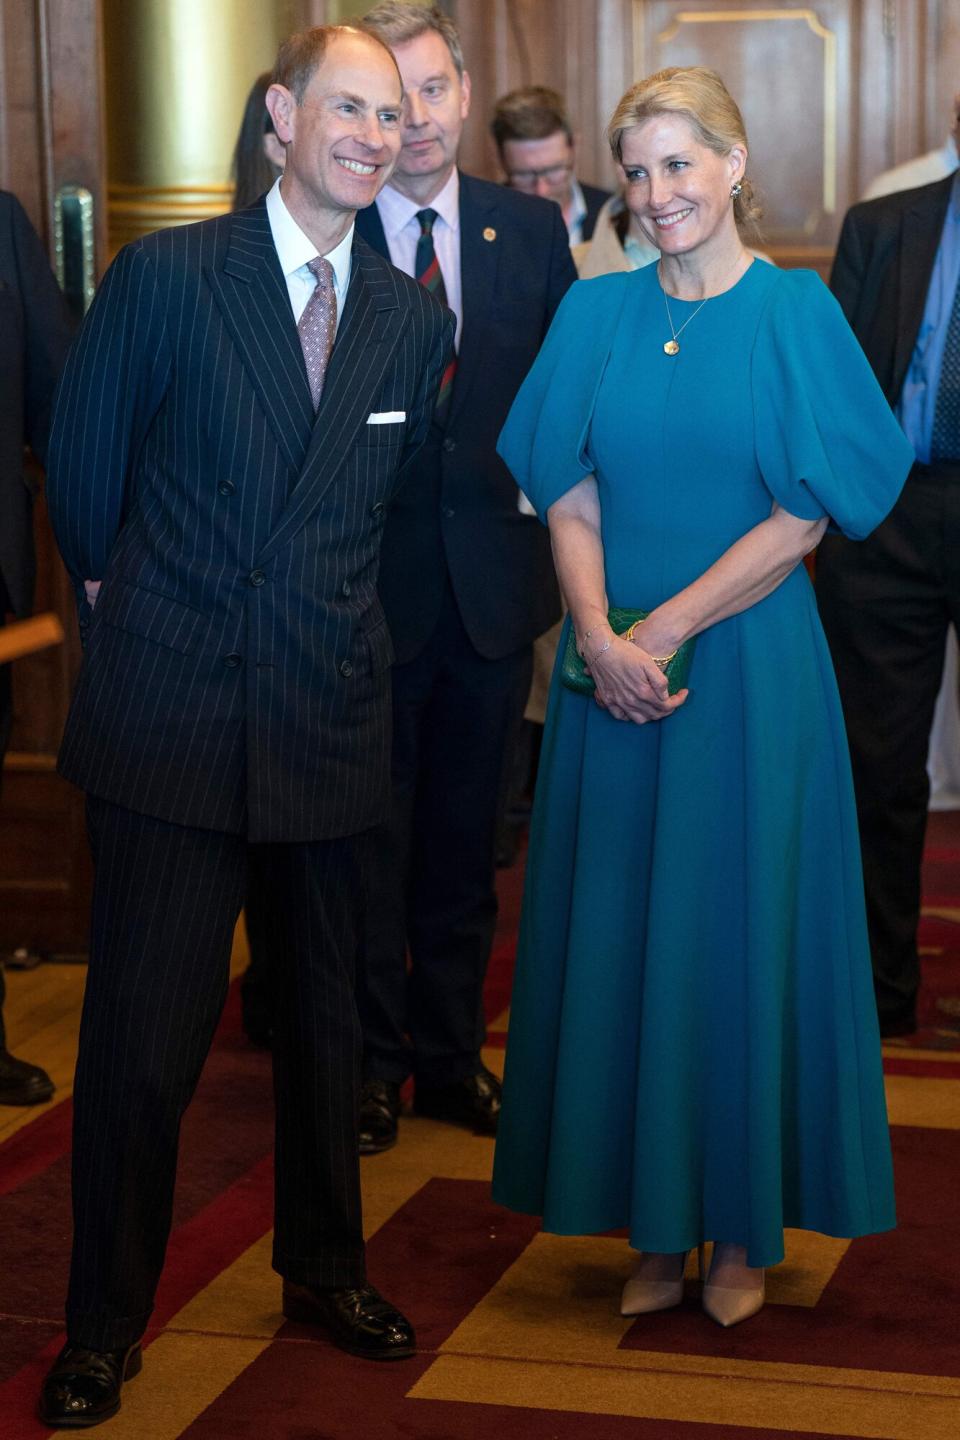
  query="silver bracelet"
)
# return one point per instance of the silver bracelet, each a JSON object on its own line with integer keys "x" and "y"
{"x": 603, "y": 649}
{"x": 583, "y": 641}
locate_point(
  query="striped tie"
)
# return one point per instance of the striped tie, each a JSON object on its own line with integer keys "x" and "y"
{"x": 427, "y": 271}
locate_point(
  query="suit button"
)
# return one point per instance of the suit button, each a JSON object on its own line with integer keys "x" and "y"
{"x": 346, "y": 669}
{"x": 233, "y": 660}
{"x": 449, "y": 444}
{"x": 448, "y": 512}
{"x": 378, "y": 509}
{"x": 226, "y": 487}
{"x": 257, "y": 577}
{"x": 345, "y": 589}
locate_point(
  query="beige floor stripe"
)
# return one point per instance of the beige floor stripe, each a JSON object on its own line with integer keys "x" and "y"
{"x": 908, "y": 1414}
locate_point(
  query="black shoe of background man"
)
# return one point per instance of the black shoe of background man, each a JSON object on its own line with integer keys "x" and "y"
{"x": 357, "y": 1318}
{"x": 83, "y": 1386}
{"x": 473, "y": 1101}
{"x": 379, "y": 1109}
{"x": 22, "y": 1084}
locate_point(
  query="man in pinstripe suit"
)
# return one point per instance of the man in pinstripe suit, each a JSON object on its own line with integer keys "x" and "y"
{"x": 224, "y": 476}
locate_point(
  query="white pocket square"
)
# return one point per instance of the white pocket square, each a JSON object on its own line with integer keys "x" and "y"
{"x": 386, "y": 417}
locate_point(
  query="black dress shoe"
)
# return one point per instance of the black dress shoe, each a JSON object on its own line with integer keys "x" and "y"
{"x": 83, "y": 1387}
{"x": 379, "y": 1108}
{"x": 22, "y": 1084}
{"x": 474, "y": 1101}
{"x": 357, "y": 1319}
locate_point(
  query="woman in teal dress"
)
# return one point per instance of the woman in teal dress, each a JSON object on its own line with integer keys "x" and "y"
{"x": 693, "y": 1050}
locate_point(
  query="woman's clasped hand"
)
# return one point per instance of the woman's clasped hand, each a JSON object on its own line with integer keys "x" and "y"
{"x": 630, "y": 684}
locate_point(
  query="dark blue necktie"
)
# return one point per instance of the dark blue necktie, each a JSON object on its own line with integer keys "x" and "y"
{"x": 945, "y": 439}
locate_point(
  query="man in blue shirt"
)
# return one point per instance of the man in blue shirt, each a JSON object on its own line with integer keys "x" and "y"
{"x": 886, "y": 603}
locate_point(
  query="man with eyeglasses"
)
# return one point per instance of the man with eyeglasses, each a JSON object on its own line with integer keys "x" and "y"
{"x": 536, "y": 148}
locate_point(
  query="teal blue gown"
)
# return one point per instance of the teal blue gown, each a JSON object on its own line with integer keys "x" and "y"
{"x": 693, "y": 1049}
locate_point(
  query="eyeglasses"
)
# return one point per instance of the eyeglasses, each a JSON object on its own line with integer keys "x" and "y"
{"x": 526, "y": 179}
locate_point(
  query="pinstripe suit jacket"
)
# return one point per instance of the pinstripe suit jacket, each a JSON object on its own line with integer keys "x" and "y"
{"x": 235, "y": 675}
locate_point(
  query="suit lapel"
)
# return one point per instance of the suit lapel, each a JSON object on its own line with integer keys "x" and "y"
{"x": 251, "y": 293}
{"x": 370, "y": 228}
{"x": 373, "y": 321}
{"x": 920, "y": 230}
{"x": 480, "y": 244}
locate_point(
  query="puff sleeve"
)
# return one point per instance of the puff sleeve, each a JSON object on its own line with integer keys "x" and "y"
{"x": 827, "y": 442}
{"x": 545, "y": 441}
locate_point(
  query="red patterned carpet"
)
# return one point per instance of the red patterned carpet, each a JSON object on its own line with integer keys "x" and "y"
{"x": 519, "y": 1332}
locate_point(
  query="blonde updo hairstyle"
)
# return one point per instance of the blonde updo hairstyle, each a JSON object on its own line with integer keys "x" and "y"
{"x": 700, "y": 97}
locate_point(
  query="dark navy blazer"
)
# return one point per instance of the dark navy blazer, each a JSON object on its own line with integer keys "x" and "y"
{"x": 595, "y": 199}
{"x": 235, "y": 675}
{"x": 457, "y": 512}
{"x": 882, "y": 271}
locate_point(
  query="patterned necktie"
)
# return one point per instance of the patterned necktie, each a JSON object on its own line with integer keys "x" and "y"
{"x": 317, "y": 326}
{"x": 427, "y": 271}
{"x": 945, "y": 439}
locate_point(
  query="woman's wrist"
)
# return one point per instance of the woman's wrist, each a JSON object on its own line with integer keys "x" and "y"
{"x": 596, "y": 634}
{"x": 659, "y": 641}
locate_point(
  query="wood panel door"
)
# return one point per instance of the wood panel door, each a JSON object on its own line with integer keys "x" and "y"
{"x": 51, "y": 136}
{"x": 790, "y": 68}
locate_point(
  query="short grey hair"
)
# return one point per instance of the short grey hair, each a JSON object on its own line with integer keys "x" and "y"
{"x": 397, "y": 21}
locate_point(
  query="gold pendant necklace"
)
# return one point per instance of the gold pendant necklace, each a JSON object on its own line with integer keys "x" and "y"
{"x": 672, "y": 346}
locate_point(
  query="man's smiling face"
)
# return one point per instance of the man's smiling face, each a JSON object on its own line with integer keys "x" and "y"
{"x": 343, "y": 139}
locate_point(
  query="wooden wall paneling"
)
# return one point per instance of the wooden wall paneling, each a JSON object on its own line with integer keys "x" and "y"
{"x": 51, "y": 134}
{"x": 22, "y": 164}
{"x": 940, "y": 63}
{"x": 789, "y": 66}
{"x": 905, "y": 26}
{"x": 874, "y": 119}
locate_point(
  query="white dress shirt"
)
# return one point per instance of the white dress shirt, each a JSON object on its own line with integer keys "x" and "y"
{"x": 295, "y": 250}
{"x": 398, "y": 215}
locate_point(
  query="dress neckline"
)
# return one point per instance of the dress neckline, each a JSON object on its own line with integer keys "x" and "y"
{"x": 675, "y": 299}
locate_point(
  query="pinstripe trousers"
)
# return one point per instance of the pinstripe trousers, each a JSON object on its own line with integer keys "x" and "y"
{"x": 166, "y": 899}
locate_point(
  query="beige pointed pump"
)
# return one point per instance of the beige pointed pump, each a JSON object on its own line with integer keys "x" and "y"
{"x": 642, "y": 1297}
{"x": 730, "y": 1305}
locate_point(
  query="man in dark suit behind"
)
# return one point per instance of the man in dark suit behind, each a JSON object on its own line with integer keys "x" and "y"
{"x": 467, "y": 583}
{"x": 886, "y": 603}
{"x": 223, "y": 468}
{"x": 34, "y": 338}
{"x": 534, "y": 140}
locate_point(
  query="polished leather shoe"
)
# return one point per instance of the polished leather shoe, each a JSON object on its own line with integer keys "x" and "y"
{"x": 22, "y": 1084}
{"x": 83, "y": 1387}
{"x": 358, "y": 1319}
{"x": 473, "y": 1101}
{"x": 379, "y": 1109}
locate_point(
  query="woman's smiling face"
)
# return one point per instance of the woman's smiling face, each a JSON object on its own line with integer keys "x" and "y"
{"x": 677, "y": 188}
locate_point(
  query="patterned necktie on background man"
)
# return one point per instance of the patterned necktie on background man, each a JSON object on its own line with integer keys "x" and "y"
{"x": 317, "y": 326}
{"x": 945, "y": 439}
{"x": 427, "y": 271}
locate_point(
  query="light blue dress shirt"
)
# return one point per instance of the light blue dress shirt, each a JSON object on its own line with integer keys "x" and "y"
{"x": 918, "y": 398}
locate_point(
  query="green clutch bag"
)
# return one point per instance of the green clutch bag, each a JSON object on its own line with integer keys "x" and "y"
{"x": 573, "y": 672}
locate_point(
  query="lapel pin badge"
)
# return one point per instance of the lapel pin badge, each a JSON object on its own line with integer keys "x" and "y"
{"x": 489, "y": 233}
